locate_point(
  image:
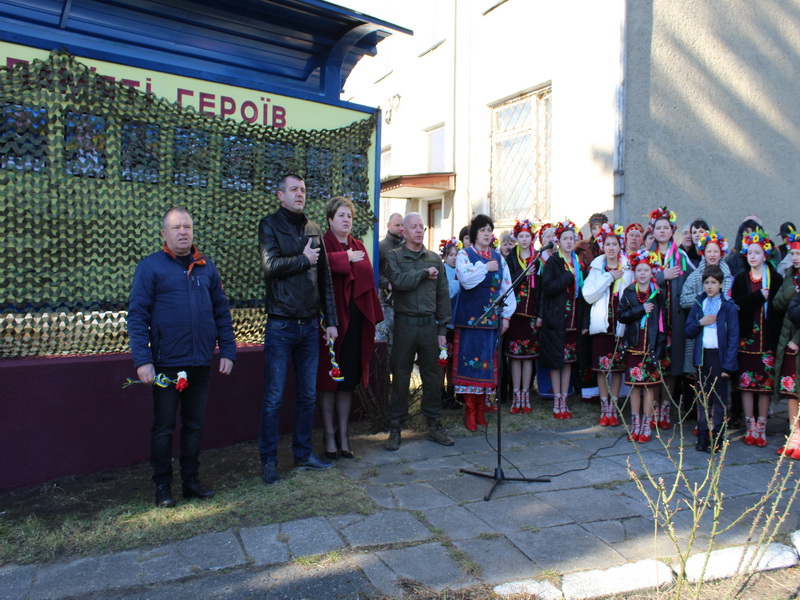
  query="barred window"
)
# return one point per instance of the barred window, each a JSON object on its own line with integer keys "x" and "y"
{"x": 192, "y": 157}
{"x": 23, "y": 138}
{"x": 238, "y": 163}
{"x": 139, "y": 162}
{"x": 85, "y": 145}
{"x": 520, "y": 173}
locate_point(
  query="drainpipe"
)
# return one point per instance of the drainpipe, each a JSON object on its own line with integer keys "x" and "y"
{"x": 620, "y": 213}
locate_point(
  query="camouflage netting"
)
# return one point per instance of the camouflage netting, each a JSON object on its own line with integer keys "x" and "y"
{"x": 87, "y": 169}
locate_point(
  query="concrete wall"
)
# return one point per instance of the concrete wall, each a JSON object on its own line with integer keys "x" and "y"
{"x": 713, "y": 120}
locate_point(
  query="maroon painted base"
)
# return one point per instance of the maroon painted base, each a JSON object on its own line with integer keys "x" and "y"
{"x": 69, "y": 416}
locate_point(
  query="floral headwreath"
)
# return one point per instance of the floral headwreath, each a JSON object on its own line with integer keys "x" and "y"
{"x": 567, "y": 225}
{"x": 445, "y": 245}
{"x": 760, "y": 238}
{"x": 792, "y": 240}
{"x": 637, "y": 226}
{"x": 714, "y": 238}
{"x": 607, "y": 230}
{"x": 663, "y": 213}
{"x": 524, "y": 225}
{"x": 495, "y": 243}
{"x": 543, "y": 229}
{"x": 645, "y": 256}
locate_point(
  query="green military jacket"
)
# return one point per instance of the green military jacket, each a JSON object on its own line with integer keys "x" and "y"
{"x": 414, "y": 293}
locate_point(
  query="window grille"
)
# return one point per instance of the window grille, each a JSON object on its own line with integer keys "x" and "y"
{"x": 520, "y": 168}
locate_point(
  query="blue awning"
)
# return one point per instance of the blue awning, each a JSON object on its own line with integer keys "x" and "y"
{"x": 301, "y": 48}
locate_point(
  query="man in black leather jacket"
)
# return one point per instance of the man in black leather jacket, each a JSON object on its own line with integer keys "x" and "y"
{"x": 298, "y": 289}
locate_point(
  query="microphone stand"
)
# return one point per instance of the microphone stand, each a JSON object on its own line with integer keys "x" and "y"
{"x": 498, "y": 476}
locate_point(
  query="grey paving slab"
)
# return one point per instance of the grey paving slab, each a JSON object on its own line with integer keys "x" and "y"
{"x": 422, "y": 449}
{"x": 438, "y": 468}
{"x": 566, "y": 548}
{"x": 635, "y": 538}
{"x": 607, "y": 442}
{"x": 498, "y": 559}
{"x": 87, "y": 575}
{"x": 517, "y": 513}
{"x": 467, "y": 488}
{"x": 545, "y": 454}
{"x": 382, "y": 495}
{"x": 312, "y": 536}
{"x": 529, "y": 587}
{"x": 16, "y": 581}
{"x": 399, "y": 473}
{"x": 385, "y": 527}
{"x": 372, "y": 457}
{"x": 420, "y": 496}
{"x": 263, "y": 546}
{"x": 379, "y": 575}
{"x": 213, "y": 551}
{"x": 427, "y": 563}
{"x": 339, "y": 521}
{"x": 164, "y": 563}
{"x": 593, "y": 504}
{"x": 457, "y": 522}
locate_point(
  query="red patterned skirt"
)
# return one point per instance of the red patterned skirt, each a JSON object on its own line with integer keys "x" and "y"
{"x": 607, "y": 353}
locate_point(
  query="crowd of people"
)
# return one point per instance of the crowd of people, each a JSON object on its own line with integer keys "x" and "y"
{"x": 632, "y": 311}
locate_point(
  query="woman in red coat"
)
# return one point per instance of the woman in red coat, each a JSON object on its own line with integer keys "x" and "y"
{"x": 358, "y": 311}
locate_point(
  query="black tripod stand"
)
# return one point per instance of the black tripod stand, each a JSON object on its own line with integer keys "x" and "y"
{"x": 498, "y": 476}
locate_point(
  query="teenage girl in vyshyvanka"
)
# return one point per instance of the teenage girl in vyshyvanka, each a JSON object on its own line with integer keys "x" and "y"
{"x": 448, "y": 249}
{"x": 561, "y": 308}
{"x": 609, "y": 274}
{"x": 759, "y": 326}
{"x": 521, "y": 341}
{"x": 674, "y": 269}
{"x": 641, "y": 309}
{"x": 787, "y": 361}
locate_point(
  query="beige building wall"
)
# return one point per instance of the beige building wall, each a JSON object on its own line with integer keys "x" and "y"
{"x": 712, "y": 126}
{"x": 488, "y": 51}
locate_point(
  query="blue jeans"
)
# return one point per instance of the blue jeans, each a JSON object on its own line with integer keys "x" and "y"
{"x": 298, "y": 340}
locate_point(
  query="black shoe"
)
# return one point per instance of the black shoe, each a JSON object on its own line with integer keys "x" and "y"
{"x": 312, "y": 463}
{"x": 339, "y": 452}
{"x": 331, "y": 455}
{"x": 195, "y": 489}
{"x": 164, "y": 497}
{"x": 393, "y": 443}
{"x": 347, "y": 454}
{"x": 702, "y": 447}
{"x": 270, "y": 473}
{"x": 437, "y": 433}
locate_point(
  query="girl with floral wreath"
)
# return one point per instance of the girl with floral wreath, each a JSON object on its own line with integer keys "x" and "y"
{"x": 641, "y": 309}
{"x": 674, "y": 269}
{"x": 634, "y": 238}
{"x": 483, "y": 275}
{"x": 759, "y": 325}
{"x": 561, "y": 309}
{"x": 609, "y": 274}
{"x": 521, "y": 341}
{"x": 787, "y": 360}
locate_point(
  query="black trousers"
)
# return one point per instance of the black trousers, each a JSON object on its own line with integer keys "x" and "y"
{"x": 714, "y": 401}
{"x": 166, "y": 402}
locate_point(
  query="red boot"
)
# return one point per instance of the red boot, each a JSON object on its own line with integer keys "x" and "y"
{"x": 525, "y": 401}
{"x": 749, "y": 437}
{"x": 471, "y": 411}
{"x": 644, "y": 434}
{"x": 633, "y": 436}
{"x": 480, "y": 410}
{"x": 761, "y": 432}
{"x": 664, "y": 422}
{"x": 565, "y": 408}
{"x": 603, "y": 412}
{"x": 515, "y": 402}
{"x": 613, "y": 420}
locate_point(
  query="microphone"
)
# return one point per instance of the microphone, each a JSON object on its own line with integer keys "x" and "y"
{"x": 549, "y": 246}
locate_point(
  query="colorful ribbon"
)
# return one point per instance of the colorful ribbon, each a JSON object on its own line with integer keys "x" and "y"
{"x": 181, "y": 381}
{"x": 653, "y": 292}
{"x": 335, "y": 372}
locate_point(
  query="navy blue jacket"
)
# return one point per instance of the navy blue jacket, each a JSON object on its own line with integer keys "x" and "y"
{"x": 727, "y": 333}
{"x": 177, "y": 316}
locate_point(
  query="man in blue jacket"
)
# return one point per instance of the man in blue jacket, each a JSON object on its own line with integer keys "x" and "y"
{"x": 177, "y": 315}
{"x": 298, "y": 289}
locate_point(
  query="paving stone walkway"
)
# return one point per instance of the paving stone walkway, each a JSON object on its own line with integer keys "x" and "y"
{"x": 433, "y": 526}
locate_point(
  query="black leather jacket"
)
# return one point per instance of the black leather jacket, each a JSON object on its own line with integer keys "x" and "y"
{"x": 294, "y": 288}
{"x": 631, "y": 311}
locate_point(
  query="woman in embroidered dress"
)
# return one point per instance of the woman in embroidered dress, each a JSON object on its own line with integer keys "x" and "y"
{"x": 521, "y": 341}
{"x": 561, "y": 309}
{"x": 448, "y": 249}
{"x": 609, "y": 274}
{"x": 483, "y": 275}
{"x": 759, "y": 325}
{"x": 675, "y": 268}
{"x": 358, "y": 310}
{"x": 641, "y": 309}
{"x": 787, "y": 361}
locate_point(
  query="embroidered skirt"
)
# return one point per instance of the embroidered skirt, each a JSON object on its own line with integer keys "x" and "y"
{"x": 521, "y": 339}
{"x": 788, "y": 379}
{"x": 607, "y": 354}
